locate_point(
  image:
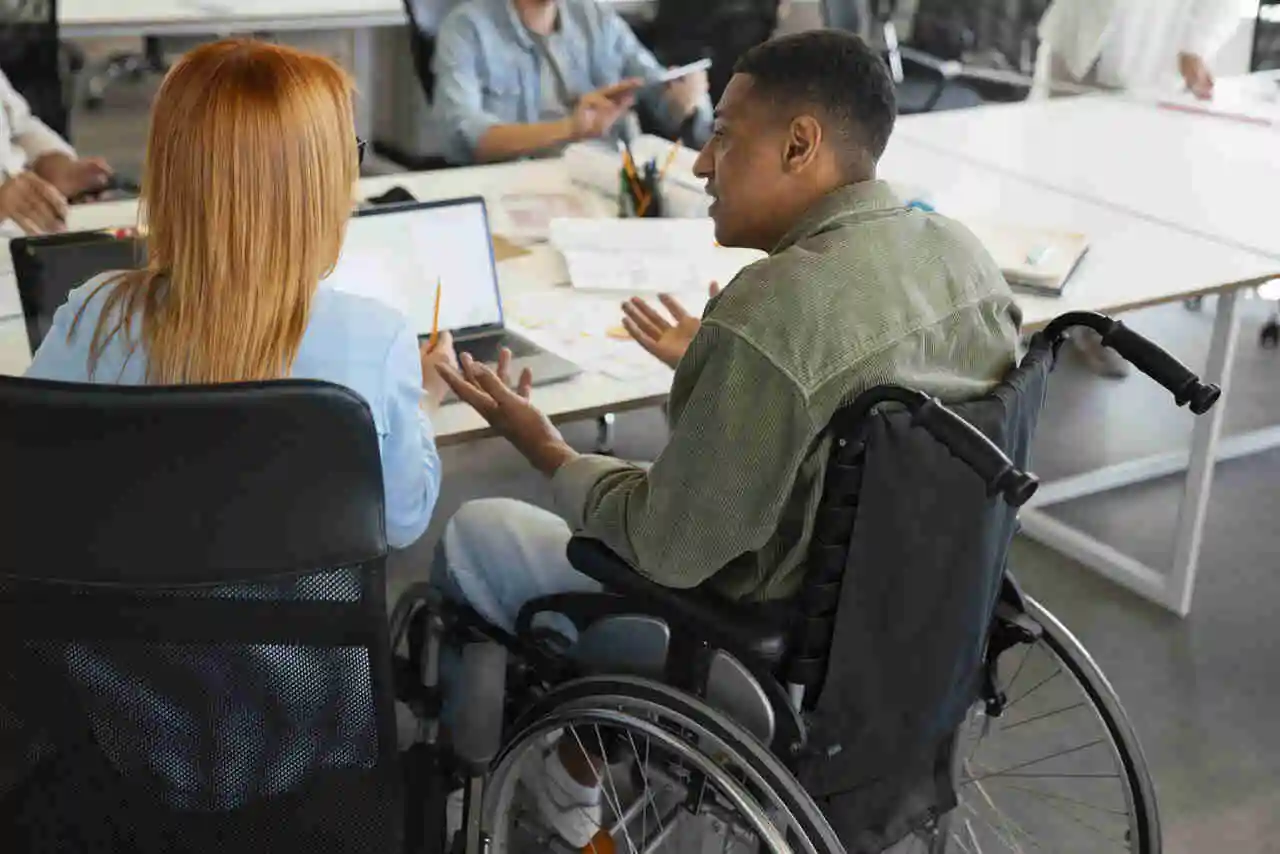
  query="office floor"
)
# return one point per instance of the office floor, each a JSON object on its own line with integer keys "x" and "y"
{"x": 1201, "y": 691}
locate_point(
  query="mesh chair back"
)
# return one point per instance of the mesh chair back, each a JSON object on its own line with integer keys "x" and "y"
{"x": 904, "y": 570}
{"x": 30, "y": 56}
{"x": 992, "y": 33}
{"x": 193, "y": 651}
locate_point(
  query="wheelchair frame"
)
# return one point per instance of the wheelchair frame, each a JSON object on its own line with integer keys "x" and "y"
{"x": 1016, "y": 618}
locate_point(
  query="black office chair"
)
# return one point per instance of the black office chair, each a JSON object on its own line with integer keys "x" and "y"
{"x": 959, "y": 53}
{"x": 193, "y": 639}
{"x": 34, "y": 60}
{"x": 721, "y": 30}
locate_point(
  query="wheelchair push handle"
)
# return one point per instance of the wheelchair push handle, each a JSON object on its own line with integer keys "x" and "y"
{"x": 971, "y": 446}
{"x": 966, "y": 442}
{"x": 1145, "y": 355}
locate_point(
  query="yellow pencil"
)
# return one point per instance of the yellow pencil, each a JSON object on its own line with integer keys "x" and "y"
{"x": 629, "y": 167}
{"x": 671, "y": 158}
{"x": 435, "y": 317}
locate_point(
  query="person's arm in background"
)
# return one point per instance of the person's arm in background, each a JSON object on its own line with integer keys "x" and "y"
{"x": 682, "y": 107}
{"x": 49, "y": 156}
{"x": 411, "y": 468}
{"x": 475, "y": 135}
{"x": 718, "y": 488}
{"x": 1210, "y": 26}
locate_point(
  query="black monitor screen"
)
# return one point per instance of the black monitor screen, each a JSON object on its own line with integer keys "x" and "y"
{"x": 49, "y": 268}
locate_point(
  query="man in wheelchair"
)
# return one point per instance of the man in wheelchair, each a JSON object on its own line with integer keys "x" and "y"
{"x": 858, "y": 291}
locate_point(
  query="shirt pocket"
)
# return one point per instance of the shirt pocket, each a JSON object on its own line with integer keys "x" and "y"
{"x": 502, "y": 96}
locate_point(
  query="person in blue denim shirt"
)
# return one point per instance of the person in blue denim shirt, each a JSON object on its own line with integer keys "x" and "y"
{"x": 517, "y": 78}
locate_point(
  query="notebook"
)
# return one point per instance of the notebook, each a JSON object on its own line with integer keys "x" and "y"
{"x": 1032, "y": 259}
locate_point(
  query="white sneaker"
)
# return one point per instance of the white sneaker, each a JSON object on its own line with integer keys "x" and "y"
{"x": 569, "y": 808}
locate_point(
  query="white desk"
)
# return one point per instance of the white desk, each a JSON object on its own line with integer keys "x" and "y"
{"x": 1207, "y": 175}
{"x": 93, "y": 18}
{"x": 586, "y": 396}
{"x": 1202, "y": 179}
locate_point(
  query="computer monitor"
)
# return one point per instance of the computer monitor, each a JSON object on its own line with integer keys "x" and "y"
{"x": 49, "y": 268}
{"x": 396, "y": 253}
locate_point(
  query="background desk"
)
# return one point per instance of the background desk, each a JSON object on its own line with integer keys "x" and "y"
{"x": 1178, "y": 187}
{"x": 1207, "y": 175}
{"x": 80, "y": 19}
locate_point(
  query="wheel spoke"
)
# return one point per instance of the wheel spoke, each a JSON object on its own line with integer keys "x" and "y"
{"x": 1042, "y": 716}
{"x": 1030, "y": 762}
{"x": 1036, "y": 793}
{"x": 1034, "y": 688}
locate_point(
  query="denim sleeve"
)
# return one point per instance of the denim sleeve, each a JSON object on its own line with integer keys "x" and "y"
{"x": 639, "y": 62}
{"x": 458, "y": 100}
{"x": 410, "y": 463}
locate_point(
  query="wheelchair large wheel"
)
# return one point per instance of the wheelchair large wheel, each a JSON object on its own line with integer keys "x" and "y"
{"x": 1060, "y": 769}
{"x": 680, "y": 776}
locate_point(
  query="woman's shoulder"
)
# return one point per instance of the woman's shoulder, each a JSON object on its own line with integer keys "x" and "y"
{"x": 361, "y": 323}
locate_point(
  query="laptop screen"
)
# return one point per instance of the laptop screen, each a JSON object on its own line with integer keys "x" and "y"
{"x": 396, "y": 254}
{"x": 47, "y": 269}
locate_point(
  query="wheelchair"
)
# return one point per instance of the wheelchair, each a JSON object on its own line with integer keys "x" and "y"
{"x": 910, "y": 698}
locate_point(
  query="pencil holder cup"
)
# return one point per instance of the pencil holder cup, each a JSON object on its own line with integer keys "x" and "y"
{"x": 639, "y": 195}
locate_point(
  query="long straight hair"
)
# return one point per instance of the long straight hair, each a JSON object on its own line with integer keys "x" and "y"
{"x": 248, "y": 185}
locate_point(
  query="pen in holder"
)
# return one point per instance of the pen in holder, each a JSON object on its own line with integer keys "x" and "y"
{"x": 639, "y": 193}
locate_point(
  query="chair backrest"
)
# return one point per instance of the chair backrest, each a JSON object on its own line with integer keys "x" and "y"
{"x": 193, "y": 647}
{"x": 990, "y": 33}
{"x": 720, "y": 30}
{"x": 30, "y": 56}
{"x": 1265, "y": 55}
{"x": 904, "y": 571}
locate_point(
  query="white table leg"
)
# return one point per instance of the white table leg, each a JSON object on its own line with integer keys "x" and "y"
{"x": 1173, "y": 588}
{"x": 1204, "y": 444}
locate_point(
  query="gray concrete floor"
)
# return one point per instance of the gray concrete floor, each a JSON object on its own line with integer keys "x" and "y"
{"x": 1202, "y": 692}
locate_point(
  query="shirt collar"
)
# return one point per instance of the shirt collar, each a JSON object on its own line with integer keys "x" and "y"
{"x": 863, "y": 197}
{"x": 522, "y": 34}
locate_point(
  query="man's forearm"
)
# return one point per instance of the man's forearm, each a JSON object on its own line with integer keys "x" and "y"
{"x": 505, "y": 142}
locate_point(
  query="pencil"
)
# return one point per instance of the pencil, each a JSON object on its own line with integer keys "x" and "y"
{"x": 435, "y": 317}
{"x": 671, "y": 158}
{"x": 628, "y": 165}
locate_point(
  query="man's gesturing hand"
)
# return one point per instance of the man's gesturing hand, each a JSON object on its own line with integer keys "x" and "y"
{"x": 509, "y": 411}
{"x": 667, "y": 341}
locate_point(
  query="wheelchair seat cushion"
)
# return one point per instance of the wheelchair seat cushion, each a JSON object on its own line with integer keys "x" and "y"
{"x": 760, "y": 629}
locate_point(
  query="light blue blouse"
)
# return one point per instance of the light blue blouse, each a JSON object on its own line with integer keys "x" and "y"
{"x": 350, "y": 340}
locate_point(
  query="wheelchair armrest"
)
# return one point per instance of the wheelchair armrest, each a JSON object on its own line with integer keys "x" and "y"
{"x": 734, "y": 626}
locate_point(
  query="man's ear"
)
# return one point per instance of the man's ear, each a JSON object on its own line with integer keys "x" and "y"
{"x": 804, "y": 138}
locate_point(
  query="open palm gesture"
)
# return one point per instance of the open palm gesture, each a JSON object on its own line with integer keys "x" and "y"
{"x": 667, "y": 339}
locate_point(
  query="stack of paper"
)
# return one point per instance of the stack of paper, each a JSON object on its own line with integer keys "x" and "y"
{"x": 1035, "y": 259}
{"x": 645, "y": 255}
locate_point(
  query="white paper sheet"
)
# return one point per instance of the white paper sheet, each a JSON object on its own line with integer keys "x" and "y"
{"x": 645, "y": 255}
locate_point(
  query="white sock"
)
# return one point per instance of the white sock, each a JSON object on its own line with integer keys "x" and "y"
{"x": 571, "y": 792}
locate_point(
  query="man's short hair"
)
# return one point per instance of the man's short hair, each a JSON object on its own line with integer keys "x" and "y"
{"x": 835, "y": 72}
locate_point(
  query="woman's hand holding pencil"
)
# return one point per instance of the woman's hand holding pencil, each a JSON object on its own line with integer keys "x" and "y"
{"x": 435, "y": 351}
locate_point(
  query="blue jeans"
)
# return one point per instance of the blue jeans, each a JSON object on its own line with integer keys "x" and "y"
{"x": 496, "y": 555}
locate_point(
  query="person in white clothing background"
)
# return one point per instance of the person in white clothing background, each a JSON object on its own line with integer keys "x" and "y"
{"x": 1145, "y": 45}
{"x": 39, "y": 171}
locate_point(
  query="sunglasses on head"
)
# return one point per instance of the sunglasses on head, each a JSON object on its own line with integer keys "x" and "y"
{"x": 360, "y": 147}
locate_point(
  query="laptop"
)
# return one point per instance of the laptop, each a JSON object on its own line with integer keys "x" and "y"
{"x": 396, "y": 253}
{"x": 49, "y": 268}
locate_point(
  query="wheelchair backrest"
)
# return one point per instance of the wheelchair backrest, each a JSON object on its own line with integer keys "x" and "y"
{"x": 904, "y": 569}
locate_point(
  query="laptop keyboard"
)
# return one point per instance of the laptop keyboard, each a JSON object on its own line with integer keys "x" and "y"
{"x": 486, "y": 349}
